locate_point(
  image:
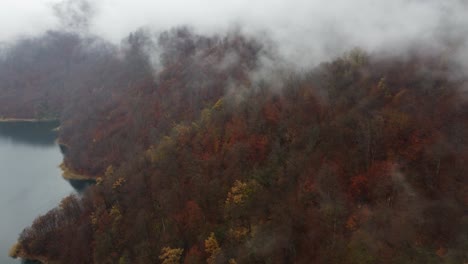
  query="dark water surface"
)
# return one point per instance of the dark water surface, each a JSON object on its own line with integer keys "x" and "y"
{"x": 31, "y": 182}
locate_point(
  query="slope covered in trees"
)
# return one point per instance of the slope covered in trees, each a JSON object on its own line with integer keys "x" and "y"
{"x": 360, "y": 160}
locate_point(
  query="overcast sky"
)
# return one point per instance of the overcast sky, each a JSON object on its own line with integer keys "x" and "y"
{"x": 298, "y": 26}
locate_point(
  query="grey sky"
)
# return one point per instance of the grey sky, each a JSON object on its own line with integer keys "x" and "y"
{"x": 315, "y": 27}
{"x": 19, "y": 17}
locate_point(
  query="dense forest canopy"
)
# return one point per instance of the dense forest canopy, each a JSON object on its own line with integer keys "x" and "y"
{"x": 218, "y": 148}
{"x": 359, "y": 160}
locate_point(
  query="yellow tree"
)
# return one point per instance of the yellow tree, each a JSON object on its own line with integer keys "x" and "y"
{"x": 212, "y": 248}
{"x": 171, "y": 255}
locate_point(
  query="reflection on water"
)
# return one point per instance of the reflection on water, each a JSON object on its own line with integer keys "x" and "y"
{"x": 81, "y": 185}
{"x": 30, "y": 262}
{"x": 31, "y": 180}
{"x": 31, "y": 133}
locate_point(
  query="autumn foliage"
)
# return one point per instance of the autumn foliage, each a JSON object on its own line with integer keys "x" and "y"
{"x": 359, "y": 160}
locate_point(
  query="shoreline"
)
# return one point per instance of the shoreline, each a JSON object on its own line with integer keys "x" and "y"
{"x": 12, "y": 120}
{"x": 69, "y": 174}
{"x": 17, "y": 252}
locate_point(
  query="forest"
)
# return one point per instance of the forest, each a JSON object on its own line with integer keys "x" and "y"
{"x": 204, "y": 158}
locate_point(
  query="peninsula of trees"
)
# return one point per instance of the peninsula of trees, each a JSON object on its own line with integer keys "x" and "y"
{"x": 200, "y": 155}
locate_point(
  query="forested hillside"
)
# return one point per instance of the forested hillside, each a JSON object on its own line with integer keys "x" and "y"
{"x": 205, "y": 158}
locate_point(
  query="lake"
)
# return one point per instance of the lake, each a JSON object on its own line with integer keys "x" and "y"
{"x": 31, "y": 180}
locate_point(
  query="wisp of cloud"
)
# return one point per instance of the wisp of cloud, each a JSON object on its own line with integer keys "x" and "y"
{"x": 304, "y": 32}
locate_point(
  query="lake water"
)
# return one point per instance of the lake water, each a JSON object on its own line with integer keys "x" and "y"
{"x": 31, "y": 182}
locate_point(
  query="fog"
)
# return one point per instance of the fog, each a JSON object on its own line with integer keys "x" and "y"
{"x": 25, "y": 17}
{"x": 304, "y": 31}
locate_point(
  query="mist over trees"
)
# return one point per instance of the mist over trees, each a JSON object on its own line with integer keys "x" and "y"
{"x": 218, "y": 148}
{"x": 199, "y": 158}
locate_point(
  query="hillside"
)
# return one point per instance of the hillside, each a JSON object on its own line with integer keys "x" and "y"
{"x": 203, "y": 159}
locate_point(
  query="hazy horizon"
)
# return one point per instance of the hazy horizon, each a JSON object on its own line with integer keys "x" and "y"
{"x": 302, "y": 31}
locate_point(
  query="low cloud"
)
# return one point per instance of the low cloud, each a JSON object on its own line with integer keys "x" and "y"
{"x": 305, "y": 32}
